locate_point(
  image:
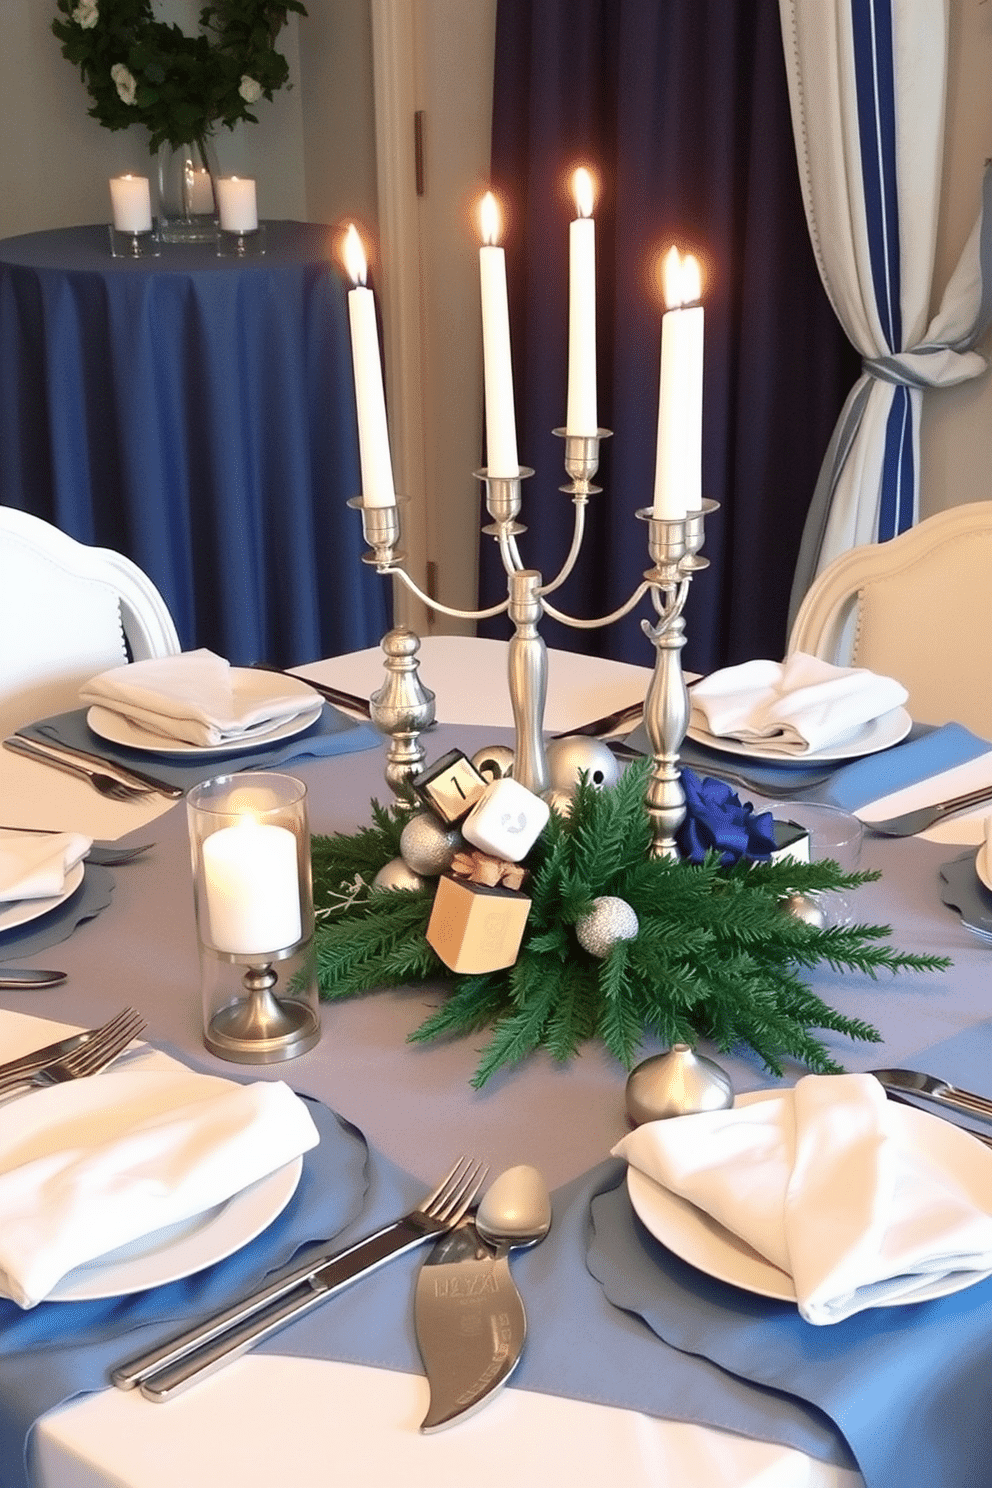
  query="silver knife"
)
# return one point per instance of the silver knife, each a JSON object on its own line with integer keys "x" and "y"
{"x": 39, "y": 1057}
{"x": 24, "y": 978}
{"x": 126, "y": 774}
{"x": 470, "y": 1322}
{"x": 939, "y": 1092}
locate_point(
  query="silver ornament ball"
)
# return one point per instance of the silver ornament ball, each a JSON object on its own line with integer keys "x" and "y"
{"x": 495, "y": 762}
{"x": 678, "y": 1083}
{"x": 396, "y": 875}
{"x": 427, "y": 845}
{"x": 568, "y": 758}
{"x": 804, "y": 907}
{"x": 610, "y": 920}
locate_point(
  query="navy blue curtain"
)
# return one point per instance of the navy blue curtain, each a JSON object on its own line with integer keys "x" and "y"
{"x": 681, "y": 108}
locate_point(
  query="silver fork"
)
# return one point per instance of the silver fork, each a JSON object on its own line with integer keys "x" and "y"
{"x": 209, "y": 1345}
{"x": 107, "y": 785}
{"x": 89, "y": 1059}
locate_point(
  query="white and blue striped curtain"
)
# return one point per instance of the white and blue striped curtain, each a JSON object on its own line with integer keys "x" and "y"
{"x": 867, "y": 82}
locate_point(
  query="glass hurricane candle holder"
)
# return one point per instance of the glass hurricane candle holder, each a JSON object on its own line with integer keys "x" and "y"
{"x": 252, "y": 886}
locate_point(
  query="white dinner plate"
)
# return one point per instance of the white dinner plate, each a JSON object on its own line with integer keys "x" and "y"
{"x": 23, "y": 911}
{"x": 696, "y": 1237}
{"x": 163, "y": 1255}
{"x": 248, "y": 683}
{"x": 870, "y": 738}
{"x": 982, "y": 867}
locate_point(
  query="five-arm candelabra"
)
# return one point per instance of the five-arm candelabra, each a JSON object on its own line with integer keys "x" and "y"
{"x": 402, "y": 708}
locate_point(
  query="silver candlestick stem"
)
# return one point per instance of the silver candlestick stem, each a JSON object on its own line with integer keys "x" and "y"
{"x": 674, "y": 547}
{"x": 402, "y": 708}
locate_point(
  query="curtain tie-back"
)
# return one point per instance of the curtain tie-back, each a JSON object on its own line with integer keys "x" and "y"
{"x": 926, "y": 367}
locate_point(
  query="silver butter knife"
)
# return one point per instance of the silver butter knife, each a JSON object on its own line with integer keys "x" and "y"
{"x": 470, "y": 1322}
{"x": 909, "y": 823}
{"x": 23, "y": 979}
{"x": 940, "y": 1092}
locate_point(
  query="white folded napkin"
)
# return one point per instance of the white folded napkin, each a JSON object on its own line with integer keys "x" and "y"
{"x": 199, "y": 697}
{"x": 792, "y": 707}
{"x": 88, "y": 1166}
{"x": 34, "y": 866}
{"x": 826, "y": 1183}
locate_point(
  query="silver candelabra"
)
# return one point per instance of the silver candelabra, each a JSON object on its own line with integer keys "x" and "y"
{"x": 674, "y": 548}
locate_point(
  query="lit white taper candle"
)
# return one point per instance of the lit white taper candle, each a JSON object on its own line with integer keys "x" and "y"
{"x": 370, "y": 399}
{"x": 582, "y": 416}
{"x": 501, "y": 426}
{"x": 678, "y": 469}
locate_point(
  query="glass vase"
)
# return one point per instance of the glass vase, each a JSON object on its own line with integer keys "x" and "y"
{"x": 187, "y": 198}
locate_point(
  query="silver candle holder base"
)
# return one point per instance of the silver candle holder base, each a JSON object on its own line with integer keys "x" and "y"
{"x": 253, "y": 1023}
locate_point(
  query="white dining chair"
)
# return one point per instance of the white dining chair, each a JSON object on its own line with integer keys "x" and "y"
{"x": 917, "y": 608}
{"x": 67, "y": 612}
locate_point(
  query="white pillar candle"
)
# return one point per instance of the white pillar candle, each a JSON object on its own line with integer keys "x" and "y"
{"x": 236, "y": 204}
{"x": 252, "y": 888}
{"x": 370, "y": 398}
{"x": 678, "y": 468}
{"x": 131, "y": 203}
{"x": 501, "y": 425}
{"x": 582, "y": 416}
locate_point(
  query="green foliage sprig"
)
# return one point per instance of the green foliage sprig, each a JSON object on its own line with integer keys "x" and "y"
{"x": 138, "y": 70}
{"x": 715, "y": 957}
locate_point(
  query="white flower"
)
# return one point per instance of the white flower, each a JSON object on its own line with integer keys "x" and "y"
{"x": 86, "y": 14}
{"x": 250, "y": 91}
{"x": 124, "y": 82}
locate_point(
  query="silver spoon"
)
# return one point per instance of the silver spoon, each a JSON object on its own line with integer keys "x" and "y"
{"x": 516, "y": 1210}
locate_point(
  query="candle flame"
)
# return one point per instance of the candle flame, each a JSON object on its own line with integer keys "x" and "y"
{"x": 582, "y": 190}
{"x": 354, "y": 256}
{"x": 489, "y": 219}
{"x": 681, "y": 279}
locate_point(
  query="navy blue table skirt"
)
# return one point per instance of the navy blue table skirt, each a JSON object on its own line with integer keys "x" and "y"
{"x": 198, "y": 415}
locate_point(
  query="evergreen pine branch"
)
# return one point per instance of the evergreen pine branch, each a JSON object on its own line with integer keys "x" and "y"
{"x": 715, "y": 956}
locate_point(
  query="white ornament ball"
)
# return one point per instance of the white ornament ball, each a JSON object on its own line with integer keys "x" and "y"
{"x": 427, "y": 845}
{"x": 610, "y": 920}
{"x": 396, "y": 875}
{"x": 495, "y": 762}
{"x": 567, "y": 758}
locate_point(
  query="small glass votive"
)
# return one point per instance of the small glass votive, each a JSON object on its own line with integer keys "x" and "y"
{"x": 132, "y": 231}
{"x": 833, "y": 833}
{"x": 241, "y": 242}
{"x": 127, "y": 244}
{"x": 252, "y": 885}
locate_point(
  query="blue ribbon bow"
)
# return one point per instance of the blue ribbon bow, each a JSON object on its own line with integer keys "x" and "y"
{"x": 717, "y": 820}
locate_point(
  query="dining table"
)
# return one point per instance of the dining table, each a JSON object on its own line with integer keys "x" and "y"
{"x": 599, "y": 1397}
{"x": 195, "y": 413}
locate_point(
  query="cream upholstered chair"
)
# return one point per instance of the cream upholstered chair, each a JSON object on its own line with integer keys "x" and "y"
{"x": 918, "y": 608}
{"x": 68, "y": 611}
